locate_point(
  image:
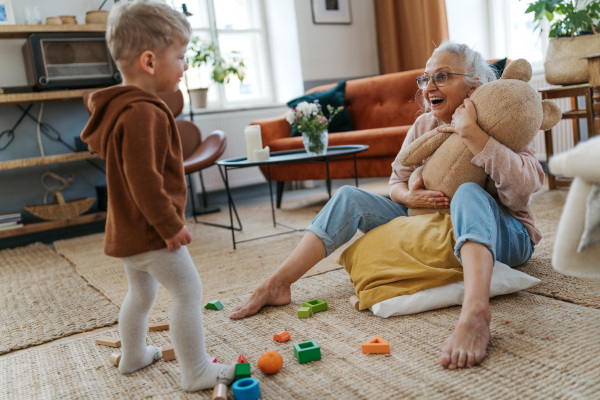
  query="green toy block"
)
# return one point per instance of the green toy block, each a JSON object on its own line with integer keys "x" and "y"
{"x": 307, "y": 351}
{"x": 304, "y": 312}
{"x": 315, "y": 305}
{"x": 214, "y": 305}
{"x": 242, "y": 370}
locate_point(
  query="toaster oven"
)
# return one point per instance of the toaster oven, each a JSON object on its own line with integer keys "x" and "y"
{"x": 69, "y": 61}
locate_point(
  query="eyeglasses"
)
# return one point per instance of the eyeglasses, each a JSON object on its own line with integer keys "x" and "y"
{"x": 439, "y": 79}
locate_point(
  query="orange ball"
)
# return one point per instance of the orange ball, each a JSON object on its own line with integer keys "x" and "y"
{"x": 270, "y": 362}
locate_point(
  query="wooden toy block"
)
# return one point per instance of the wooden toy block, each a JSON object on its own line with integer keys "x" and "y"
{"x": 246, "y": 389}
{"x": 168, "y": 352}
{"x": 282, "y": 336}
{"x": 304, "y": 312}
{"x": 158, "y": 326}
{"x": 109, "y": 341}
{"x": 355, "y": 303}
{"x": 214, "y": 305}
{"x": 212, "y": 359}
{"x": 242, "y": 370}
{"x": 315, "y": 305}
{"x": 242, "y": 359}
{"x": 115, "y": 358}
{"x": 376, "y": 346}
{"x": 307, "y": 351}
{"x": 220, "y": 392}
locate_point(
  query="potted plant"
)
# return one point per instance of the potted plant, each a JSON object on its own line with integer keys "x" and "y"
{"x": 203, "y": 53}
{"x": 573, "y": 33}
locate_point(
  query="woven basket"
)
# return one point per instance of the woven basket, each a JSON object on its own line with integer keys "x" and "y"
{"x": 563, "y": 64}
{"x": 61, "y": 209}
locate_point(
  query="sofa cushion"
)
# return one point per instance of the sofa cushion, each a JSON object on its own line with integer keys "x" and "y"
{"x": 334, "y": 97}
{"x": 498, "y": 67}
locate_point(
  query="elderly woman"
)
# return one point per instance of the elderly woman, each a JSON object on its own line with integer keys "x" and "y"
{"x": 486, "y": 228}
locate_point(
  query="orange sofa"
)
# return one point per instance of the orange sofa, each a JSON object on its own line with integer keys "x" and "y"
{"x": 382, "y": 109}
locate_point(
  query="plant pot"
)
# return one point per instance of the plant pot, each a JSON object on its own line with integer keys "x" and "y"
{"x": 563, "y": 64}
{"x": 315, "y": 143}
{"x": 198, "y": 97}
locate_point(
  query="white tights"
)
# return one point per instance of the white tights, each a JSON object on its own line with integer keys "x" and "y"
{"x": 176, "y": 272}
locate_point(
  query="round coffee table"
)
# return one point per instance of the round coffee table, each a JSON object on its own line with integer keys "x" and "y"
{"x": 283, "y": 157}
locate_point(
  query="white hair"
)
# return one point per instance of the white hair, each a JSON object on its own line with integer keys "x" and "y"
{"x": 473, "y": 62}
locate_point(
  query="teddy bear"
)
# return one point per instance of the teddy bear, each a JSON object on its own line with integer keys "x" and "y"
{"x": 577, "y": 246}
{"x": 509, "y": 109}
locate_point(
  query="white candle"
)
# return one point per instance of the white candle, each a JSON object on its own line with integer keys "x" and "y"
{"x": 262, "y": 155}
{"x": 253, "y": 141}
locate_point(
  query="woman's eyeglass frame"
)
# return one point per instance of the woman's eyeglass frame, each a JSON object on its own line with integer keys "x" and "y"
{"x": 439, "y": 79}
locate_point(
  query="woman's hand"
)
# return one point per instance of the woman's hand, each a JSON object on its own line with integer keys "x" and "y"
{"x": 414, "y": 196}
{"x": 182, "y": 238}
{"x": 464, "y": 123}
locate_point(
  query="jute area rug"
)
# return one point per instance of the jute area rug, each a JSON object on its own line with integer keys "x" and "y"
{"x": 43, "y": 299}
{"x": 541, "y": 348}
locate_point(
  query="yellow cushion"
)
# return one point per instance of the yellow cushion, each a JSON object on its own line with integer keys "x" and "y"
{"x": 404, "y": 256}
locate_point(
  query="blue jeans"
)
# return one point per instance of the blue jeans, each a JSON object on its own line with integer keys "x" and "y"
{"x": 476, "y": 217}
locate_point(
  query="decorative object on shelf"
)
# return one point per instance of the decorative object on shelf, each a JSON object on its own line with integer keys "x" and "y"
{"x": 308, "y": 119}
{"x": 331, "y": 12}
{"x": 32, "y": 16}
{"x": 61, "y": 209}
{"x": 68, "y": 19}
{"x": 6, "y": 13}
{"x": 202, "y": 53}
{"x": 53, "y": 21}
{"x": 572, "y": 35}
{"x": 99, "y": 17}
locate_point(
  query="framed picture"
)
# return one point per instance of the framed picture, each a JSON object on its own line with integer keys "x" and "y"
{"x": 6, "y": 13}
{"x": 331, "y": 12}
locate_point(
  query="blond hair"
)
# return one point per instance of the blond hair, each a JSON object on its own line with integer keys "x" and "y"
{"x": 144, "y": 25}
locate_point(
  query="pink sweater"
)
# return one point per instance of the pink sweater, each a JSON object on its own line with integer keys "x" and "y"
{"x": 517, "y": 175}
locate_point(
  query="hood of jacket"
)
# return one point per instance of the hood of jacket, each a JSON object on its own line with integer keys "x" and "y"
{"x": 105, "y": 106}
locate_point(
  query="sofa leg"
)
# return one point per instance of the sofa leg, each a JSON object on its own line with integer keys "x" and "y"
{"x": 280, "y": 186}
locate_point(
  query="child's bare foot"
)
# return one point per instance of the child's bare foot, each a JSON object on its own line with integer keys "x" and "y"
{"x": 268, "y": 293}
{"x": 468, "y": 343}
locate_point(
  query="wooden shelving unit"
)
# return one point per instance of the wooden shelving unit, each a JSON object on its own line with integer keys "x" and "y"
{"x": 22, "y": 32}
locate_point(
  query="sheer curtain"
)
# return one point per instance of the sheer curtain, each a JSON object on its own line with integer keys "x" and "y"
{"x": 408, "y": 31}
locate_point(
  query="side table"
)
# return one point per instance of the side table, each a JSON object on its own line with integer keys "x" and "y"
{"x": 284, "y": 157}
{"x": 572, "y": 91}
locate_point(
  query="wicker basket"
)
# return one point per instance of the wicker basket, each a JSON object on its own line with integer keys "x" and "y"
{"x": 61, "y": 209}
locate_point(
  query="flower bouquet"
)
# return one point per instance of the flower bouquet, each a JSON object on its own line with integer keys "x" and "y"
{"x": 308, "y": 119}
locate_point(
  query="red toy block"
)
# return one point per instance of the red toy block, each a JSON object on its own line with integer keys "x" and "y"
{"x": 376, "y": 346}
{"x": 282, "y": 336}
{"x": 242, "y": 359}
{"x": 212, "y": 359}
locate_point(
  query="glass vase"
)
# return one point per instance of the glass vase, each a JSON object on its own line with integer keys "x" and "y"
{"x": 315, "y": 143}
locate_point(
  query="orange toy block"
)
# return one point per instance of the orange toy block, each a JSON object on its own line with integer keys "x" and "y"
{"x": 242, "y": 359}
{"x": 376, "y": 346}
{"x": 282, "y": 336}
{"x": 355, "y": 303}
{"x": 158, "y": 326}
{"x": 109, "y": 341}
{"x": 115, "y": 358}
{"x": 168, "y": 352}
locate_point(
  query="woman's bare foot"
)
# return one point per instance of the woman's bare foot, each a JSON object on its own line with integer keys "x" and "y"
{"x": 268, "y": 293}
{"x": 468, "y": 343}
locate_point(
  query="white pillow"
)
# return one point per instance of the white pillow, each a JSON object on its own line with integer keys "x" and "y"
{"x": 504, "y": 280}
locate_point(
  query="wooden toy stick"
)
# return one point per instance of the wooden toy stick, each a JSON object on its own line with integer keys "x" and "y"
{"x": 158, "y": 326}
{"x": 109, "y": 341}
{"x": 355, "y": 303}
{"x": 168, "y": 352}
{"x": 220, "y": 392}
{"x": 115, "y": 358}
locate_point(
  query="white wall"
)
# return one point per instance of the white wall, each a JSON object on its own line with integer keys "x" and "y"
{"x": 337, "y": 51}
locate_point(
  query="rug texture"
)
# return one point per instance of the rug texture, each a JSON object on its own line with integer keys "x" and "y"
{"x": 42, "y": 298}
{"x": 541, "y": 348}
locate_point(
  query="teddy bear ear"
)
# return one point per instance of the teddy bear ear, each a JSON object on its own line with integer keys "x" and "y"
{"x": 519, "y": 69}
{"x": 552, "y": 115}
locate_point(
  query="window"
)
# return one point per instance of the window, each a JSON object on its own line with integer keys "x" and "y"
{"x": 512, "y": 32}
{"x": 234, "y": 26}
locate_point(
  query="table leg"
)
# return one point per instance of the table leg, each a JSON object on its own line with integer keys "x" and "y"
{"x": 355, "y": 171}
{"x": 328, "y": 178}
{"x": 271, "y": 194}
{"x": 549, "y": 153}
{"x": 229, "y": 202}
